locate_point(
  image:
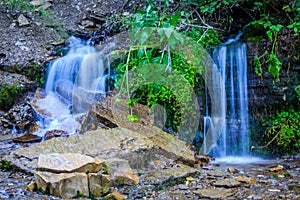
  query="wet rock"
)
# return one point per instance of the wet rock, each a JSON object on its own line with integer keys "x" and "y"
{"x": 214, "y": 193}
{"x": 23, "y": 21}
{"x": 232, "y": 170}
{"x": 21, "y": 117}
{"x": 183, "y": 187}
{"x": 27, "y": 138}
{"x": 55, "y": 133}
{"x": 39, "y": 94}
{"x": 88, "y": 24}
{"x": 274, "y": 190}
{"x": 6, "y": 146}
{"x": 65, "y": 185}
{"x": 68, "y": 162}
{"x": 227, "y": 182}
{"x": 59, "y": 42}
{"x": 115, "y": 195}
{"x": 278, "y": 168}
{"x": 202, "y": 159}
{"x": 120, "y": 172}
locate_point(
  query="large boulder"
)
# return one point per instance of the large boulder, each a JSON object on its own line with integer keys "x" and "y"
{"x": 65, "y": 185}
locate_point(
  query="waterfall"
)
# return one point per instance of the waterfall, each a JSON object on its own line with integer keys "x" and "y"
{"x": 73, "y": 83}
{"x": 66, "y": 67}
{"x": 231, "y": 60}
{"x": 81, "y": 69}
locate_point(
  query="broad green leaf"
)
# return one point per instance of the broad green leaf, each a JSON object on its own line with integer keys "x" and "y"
{"x": 270, "y": 35}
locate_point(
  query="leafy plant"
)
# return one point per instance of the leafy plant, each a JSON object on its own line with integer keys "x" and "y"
{"x": 5, "y": 165}
{"x": 15, "y": 4}
{"x": 285, "y": 126}
{"x": 284, "y": 130}
{"x": 8, "y": 95}
{"x": 272, "y": 62}
{"x": 145, "y": 54}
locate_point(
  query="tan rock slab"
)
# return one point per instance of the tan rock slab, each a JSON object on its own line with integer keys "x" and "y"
{"x": 99, "y": 184}
{"x": 115, "y": 195}
{"x": 106, "y": 144}
{"x": 68, "y": 162}
{"x": 64, "y": 185}
{"x": 244, "y": 179}
{"x": 214, "y": 193}
{"x": 227, "y": 182}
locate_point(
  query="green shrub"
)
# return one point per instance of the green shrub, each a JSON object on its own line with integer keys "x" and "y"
{"x": 8, "y": 96}
{"x": 283, "y": 131}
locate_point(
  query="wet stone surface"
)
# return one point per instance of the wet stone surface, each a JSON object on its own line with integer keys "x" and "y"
{"x": 256, "y": 181}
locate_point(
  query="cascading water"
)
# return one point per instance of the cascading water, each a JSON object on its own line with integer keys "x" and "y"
{"x": 231, "y": 60}
{"x": 80, "y": 74}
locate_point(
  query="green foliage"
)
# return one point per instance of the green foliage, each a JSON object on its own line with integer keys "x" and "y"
{"x": 23, "y": 5}
{"x": 34, "y": 72}
{"x": 8, "y": 95}
{"x": 133, "y": 118}
{"x": 15, "y": 4}
{"x": 168, "y": 38}
{"x": 211, "y": 6}
{"x": 206, "y": 38}
{"x": 294, "y": 10}
{"x": 105, "y": 169}
{"x": 284, "y": 129}
{"x": 272, "y": 26}
{"x": 5, "y": 165}
{"x": 297, "y": 90}
{"x": 274, "y": 65}
{"x": 257, "y": 65}
{"x": 272, "y": 62}
{"x": 153, "y": 94}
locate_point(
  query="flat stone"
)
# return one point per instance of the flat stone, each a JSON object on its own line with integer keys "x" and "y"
{"x": 244, "y": 179}
{"x": 68, "y": 162}
{"x": 64, "y": 185}
{"x": 106, "y": 144}
{"x": 214, "y": 193}
{"x": 227, "y": 182}
{"x": 162, "y": 176}
{"x": 37, "y": 2}
{"x": 55, "y": 133}
{"x": 27, "y": 138}
{"x": 44, "y": 6}
{"x": 23, "y": 21}
{"x": 277, "y": 168}
{"x": 115, "y": 195}
{"x": 183, "y": 187}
